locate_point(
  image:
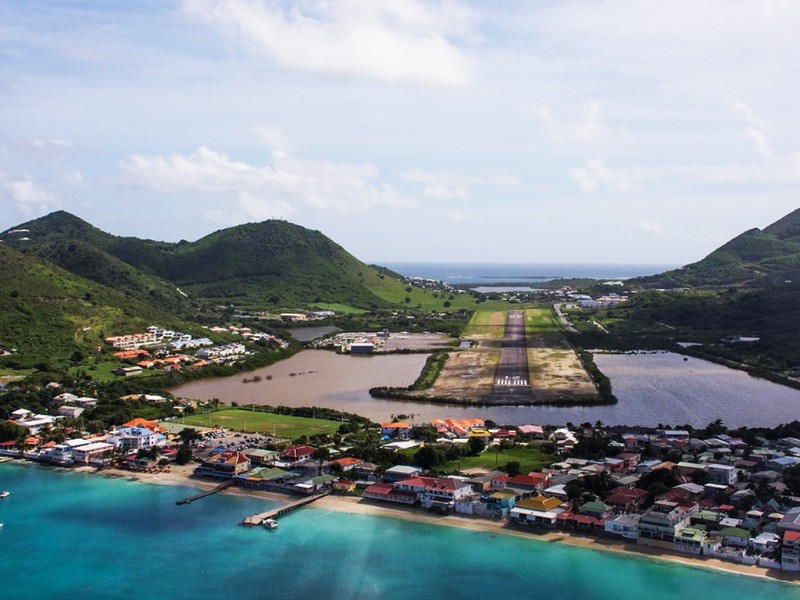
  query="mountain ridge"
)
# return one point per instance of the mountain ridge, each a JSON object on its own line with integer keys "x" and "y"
{"x": 268, "y": 264}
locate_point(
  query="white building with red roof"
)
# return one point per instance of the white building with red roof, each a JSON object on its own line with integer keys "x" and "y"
{"x": 297, "y": 454}
{"x": 436, "y": 492}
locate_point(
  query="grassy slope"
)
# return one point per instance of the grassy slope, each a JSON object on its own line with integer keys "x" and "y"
{"x": 48, "y": 313}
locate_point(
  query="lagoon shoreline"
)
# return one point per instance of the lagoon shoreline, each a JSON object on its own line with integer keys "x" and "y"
{"x": 182, "y": 476}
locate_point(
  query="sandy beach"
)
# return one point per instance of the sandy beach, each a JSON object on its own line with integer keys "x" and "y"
{"x": 182, "y": 475}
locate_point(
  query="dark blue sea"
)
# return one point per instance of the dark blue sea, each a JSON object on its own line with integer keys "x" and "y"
{"x": 490, "y": 273}
{"x": 69, "y": 535}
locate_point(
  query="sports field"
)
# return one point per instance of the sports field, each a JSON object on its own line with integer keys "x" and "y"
{"x": 247, "y": 421}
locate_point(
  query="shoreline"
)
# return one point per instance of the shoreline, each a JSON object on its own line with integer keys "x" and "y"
{"x": 180, "y": 475}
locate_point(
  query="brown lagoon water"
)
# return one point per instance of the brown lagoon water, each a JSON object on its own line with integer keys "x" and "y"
{"x": 652, "y": 388}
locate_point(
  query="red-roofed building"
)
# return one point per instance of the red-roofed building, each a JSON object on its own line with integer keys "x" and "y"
{"x": 532, "y": 482}
{"x": 139, "y": 422}
{"x": 395, "y": 429}
{"x": 790, "y": 551}
{"x": 346, "y": 463}
{"x": 435, "y": 492}
{"x": 224, "y": 465}
{"x": 296, "y": 454}
{"x": 388, "y": 493}
{"x": 626, "y": 499}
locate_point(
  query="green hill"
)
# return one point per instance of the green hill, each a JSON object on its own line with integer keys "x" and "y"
{"x": 48, "y": 314}
{"x": 268, "y": 265}
{"x": 756, "y": 257}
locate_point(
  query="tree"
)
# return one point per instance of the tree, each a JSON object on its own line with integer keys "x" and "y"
{"x": 476, "y": 445}
{"x": 428, "y": 457}
{"x": 512, "y": 467}
{"x": 184, "y": 455}
{"x": 11, "y": 431}
{"x": 187, "y": 435}
{"x": 427, "y": 433}
{"x": 321, "y": 454}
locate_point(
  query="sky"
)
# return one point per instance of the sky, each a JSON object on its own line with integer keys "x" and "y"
{"x": 564, "y": 131}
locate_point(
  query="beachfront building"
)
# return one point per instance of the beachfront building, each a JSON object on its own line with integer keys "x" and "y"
{"x": 135, "y": 438}
{"x": 386, "y": 492}
{"x": 93, "y": 453}
{"x": 690, "y": 540}
{"x": 625, "y": 526}
{"x": 438, "y": 493}
{"x": 790, "y": 551}
{"x": 263, "y": 478}
{"x": 224, "y": 465}
{"x": 659, "y": 525}
{"x": 539, "y": 511}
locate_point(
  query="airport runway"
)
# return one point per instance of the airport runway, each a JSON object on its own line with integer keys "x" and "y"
{"x": 511, "y": 376}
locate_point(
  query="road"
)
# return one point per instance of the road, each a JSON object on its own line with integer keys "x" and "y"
{"x": 511, "y": 376}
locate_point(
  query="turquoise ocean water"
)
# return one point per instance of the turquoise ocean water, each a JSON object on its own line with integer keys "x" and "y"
{"x": 69, "y": 535}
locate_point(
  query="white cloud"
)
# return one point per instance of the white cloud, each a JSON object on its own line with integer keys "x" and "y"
{"x": 588, "y": 129}
{"x": 596, "y": 175}
{"x": 774, "y": 165}
{"x": 650, "y": 228}
{"x": 453, "y": 186}
{"x": 53, "y": 150}
{"x": 274, "y": 137}
{"x": 397, "y": 41}
{"x": 271, "y": 190}
{"x": 27, "y": 196}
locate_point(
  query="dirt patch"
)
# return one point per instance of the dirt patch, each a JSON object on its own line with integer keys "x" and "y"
{"x": 468, "y": 374}
{"x": 556, "y": 373}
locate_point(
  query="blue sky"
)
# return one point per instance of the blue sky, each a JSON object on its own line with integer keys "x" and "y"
{"x": 621, "y": 131}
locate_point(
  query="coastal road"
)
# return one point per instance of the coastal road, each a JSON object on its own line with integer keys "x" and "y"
{"x": 511, "y": 376}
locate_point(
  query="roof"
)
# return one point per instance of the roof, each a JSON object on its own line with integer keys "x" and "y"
{"x": 734, "y": 532}
{"x": 384, "y": 489}
{"x": 540, "y": 503}
{"x": 298, "y": 452}
{"x": 530, "y": 429}
{"x": 394, "y": 425}
{"x": 399, "y": 469}
{"x": 264, "y": 474}
{"x": 791, "y": 536}
{"x": 347, "y": 461}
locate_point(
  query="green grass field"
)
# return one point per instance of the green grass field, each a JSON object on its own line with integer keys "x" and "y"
{"x": 103, "y": 371}
{"x": 542, "y": 322}
{"x": 338, "y": 308}
{"x": 530, "y": 458}
{"x": 248, "y": 421}
{"x": 487, "y": 322}
{"x": 15, "y": 373}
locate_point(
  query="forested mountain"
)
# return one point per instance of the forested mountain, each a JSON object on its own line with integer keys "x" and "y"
{"x": 261, "y": 265}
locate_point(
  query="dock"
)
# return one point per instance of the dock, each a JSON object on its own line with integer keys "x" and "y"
{"x": 259, "y": 518}
{"x": 222, "y": 486}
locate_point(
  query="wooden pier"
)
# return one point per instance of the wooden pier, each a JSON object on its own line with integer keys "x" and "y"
{"x": 222, "y": 486}
{"x": 259, "y": 518}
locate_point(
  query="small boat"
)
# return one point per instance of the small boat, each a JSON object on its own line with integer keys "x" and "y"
{"x": 5, "y": 494}
{"x": 270, "y": 523}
